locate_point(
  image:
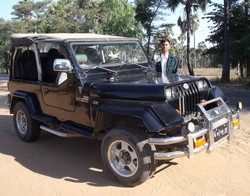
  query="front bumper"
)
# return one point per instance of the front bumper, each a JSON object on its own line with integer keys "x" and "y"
{"x": 220, "y": 122}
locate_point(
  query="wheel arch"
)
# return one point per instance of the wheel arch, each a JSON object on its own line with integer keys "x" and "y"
{"x": 30, "y": 99}
{"x": 109, "y": 117}
{"x": 151, "y": 117}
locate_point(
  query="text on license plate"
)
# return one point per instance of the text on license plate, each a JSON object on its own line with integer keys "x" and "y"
{"x": 220, "y": 132}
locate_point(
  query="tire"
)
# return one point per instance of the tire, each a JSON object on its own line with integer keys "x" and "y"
{"x": 27, "y": 129}
{"x": 127, "y": 157}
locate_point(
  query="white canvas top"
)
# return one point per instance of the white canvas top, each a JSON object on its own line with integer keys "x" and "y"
{"x": 26, "y": 39}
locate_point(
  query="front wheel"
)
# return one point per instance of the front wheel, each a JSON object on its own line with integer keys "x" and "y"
{"x": 126, "y": 155}
{"x": 27, "y": 128}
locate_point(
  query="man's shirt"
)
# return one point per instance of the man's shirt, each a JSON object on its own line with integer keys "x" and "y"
{"x": 166, "y": 64}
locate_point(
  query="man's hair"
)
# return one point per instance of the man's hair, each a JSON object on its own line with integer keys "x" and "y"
{"x": 165, "y": 40}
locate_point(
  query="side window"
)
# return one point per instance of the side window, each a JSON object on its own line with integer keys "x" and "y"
{"x": 48, "y": 53}
{"x": 25, "y": 66}
{"x": 16, "y": 64}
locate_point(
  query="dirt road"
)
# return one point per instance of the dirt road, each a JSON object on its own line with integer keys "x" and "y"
{"x": 54, "y": 166}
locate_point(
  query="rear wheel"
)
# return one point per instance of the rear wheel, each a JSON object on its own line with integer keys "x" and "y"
{"x": 27, "y": 128}
{"x": 126, "y": 155}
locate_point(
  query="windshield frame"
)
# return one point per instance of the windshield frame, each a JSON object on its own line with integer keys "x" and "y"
{"x": 103, "y": 63}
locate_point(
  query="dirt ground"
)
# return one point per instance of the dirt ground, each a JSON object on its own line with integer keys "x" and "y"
{"x": 54, "y": 166}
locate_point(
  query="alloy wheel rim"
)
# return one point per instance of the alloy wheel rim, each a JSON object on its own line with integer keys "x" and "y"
{"x": 123, "y": 158}
{"x": 21, "y": 122}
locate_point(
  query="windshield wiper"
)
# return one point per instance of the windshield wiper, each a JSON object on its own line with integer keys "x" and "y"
{"x": 143, "y": 68}
{"x": 109, "y": 71}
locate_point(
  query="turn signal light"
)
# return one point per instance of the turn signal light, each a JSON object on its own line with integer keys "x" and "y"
{"x": 203, "y": 102}
{"x": 200, "y": 142}
{"x": 178, "y": 111}
{"x": 236, "y": 123}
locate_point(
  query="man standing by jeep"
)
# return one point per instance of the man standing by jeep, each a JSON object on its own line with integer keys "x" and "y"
{"x": 166, "y": 62}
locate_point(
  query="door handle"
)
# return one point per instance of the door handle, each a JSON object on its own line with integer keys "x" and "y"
{"x": 45, "y": 91}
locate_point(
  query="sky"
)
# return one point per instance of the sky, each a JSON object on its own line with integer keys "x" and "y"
{"x": 200, "y": 35}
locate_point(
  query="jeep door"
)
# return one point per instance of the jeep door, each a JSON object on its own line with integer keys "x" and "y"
{"x": 63, "y": 101}
{"x": 59, "y": 95}
{"x": 60, "y": 92}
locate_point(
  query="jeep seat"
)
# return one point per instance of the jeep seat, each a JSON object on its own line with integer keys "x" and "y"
{"x": 93, "y": 56}
{"x": 82, "y": 60}
{"x": 28, "y": 68}
{"x": 49, "y": 74}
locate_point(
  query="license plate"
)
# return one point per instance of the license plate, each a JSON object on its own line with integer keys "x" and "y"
{"x": 221, "y": 132}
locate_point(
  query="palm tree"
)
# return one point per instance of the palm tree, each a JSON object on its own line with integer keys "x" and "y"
{"x": 194, "y": 24}
{"x": 186, "y": 24}
{"x": 182, "y": 37}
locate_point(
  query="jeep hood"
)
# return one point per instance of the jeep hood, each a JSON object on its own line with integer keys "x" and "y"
{"x": 136, "y": 87}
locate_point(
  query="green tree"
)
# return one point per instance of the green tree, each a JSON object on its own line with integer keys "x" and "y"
{"x": 200, "y": 51}
{"x": 64, "y": 16}
{"x": 239, "y": 39}
{"x": 190, "y": 6}
{"x": 112, "y": 17}
{"x": 91, "y": 14}
{"x": 150, "y": 12}
{"x": 31, "y": 13}
{"x": 77, "y": 16}
{"x": 6, "y": 29}
{"x": 73, "y": 16}
{"x": 118, "y": 18}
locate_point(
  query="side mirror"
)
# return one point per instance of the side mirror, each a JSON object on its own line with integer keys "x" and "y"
{"x": 62, "y": 65}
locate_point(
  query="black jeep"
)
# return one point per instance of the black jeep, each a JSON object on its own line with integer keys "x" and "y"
{"x": 104, "y": 87}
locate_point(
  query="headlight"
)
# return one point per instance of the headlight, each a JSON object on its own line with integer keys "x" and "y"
{"x": 202, "y": 85}
{"x": 239, "y": 105}
{"x": 171, "y": 93}
{"x": 191, "y": 127}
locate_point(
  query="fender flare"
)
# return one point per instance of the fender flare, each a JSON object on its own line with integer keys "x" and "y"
{"x": 216, "y": 91}
{"x": 156, "y": 117}
{"x": 30, "y": 100}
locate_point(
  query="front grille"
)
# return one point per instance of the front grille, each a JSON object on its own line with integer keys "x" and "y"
{"x": 188, "y": 98}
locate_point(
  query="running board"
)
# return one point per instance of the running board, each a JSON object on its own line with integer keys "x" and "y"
{"x": 60, "y": 133}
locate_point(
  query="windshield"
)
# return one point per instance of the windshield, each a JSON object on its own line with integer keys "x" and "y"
{"x": 107, "y": 54}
